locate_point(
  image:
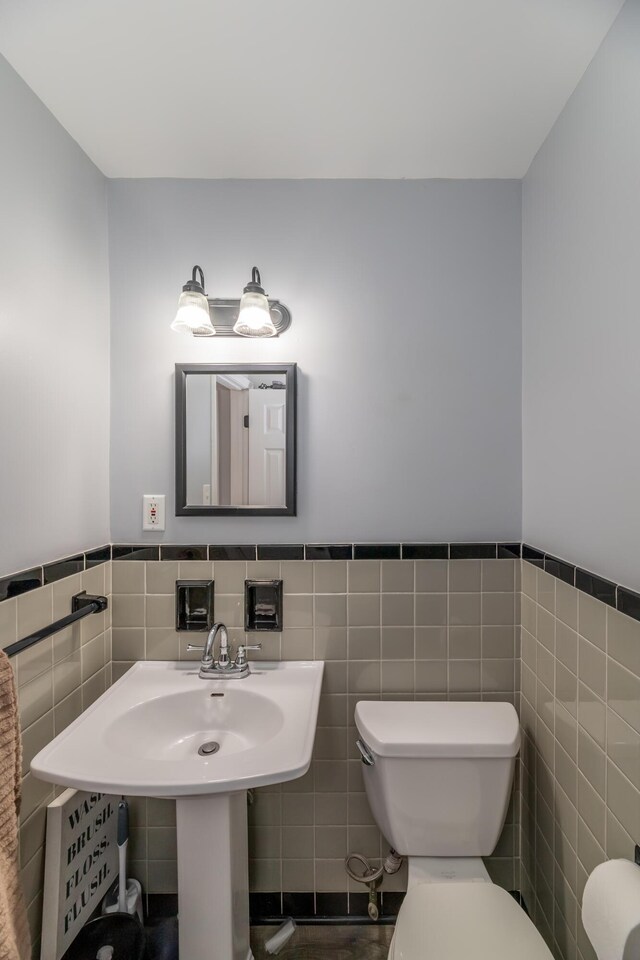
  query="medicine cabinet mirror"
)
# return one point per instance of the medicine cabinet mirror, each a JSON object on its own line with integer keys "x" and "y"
{"x": 235, "y": 439}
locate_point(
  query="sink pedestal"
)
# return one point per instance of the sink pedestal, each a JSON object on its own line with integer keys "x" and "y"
{"x": 142, "y": 738}
{"x": 213, "y": 877}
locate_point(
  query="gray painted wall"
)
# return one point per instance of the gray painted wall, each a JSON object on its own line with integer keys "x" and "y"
{"x": 581, "y": 308}
{"x": 406, "y": 302}
{"x": 54, "y": 351}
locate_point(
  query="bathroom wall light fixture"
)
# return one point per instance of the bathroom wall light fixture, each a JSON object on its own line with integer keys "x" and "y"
{"x": 254, "y": 319}
{"x": 193, "y": 315}
{"x": 251, "y": 316}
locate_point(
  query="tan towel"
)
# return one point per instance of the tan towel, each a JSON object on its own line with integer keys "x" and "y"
{"x": 15, "y": 943}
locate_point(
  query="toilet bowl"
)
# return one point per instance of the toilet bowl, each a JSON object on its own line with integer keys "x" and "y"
{"x": 438, "y": 777}
{"x": 458, "y": 921}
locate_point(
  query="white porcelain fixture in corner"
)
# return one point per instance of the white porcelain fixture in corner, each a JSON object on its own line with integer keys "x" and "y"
{"x": 142, "y": 738}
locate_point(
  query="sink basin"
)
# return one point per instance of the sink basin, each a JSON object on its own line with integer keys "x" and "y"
{"x": 172, "y": 728}
{"x": 143, "y": 735}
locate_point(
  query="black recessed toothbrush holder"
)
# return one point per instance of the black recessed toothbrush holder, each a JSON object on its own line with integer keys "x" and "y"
{"x": 262, "y": 606}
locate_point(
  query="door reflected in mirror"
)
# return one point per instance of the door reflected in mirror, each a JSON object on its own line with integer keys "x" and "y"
{"x": 235, "y": 439}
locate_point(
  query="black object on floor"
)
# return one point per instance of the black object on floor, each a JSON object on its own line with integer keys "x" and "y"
{"x": 161, "y": 905}
{"x": 162, "y": 939}
{"x": 117, "y": 930}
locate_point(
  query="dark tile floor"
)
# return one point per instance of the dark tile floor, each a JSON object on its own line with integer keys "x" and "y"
{"x": 324, "y": 941}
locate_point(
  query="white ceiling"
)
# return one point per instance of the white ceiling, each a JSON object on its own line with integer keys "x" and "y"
{"x": 290, "y": 88}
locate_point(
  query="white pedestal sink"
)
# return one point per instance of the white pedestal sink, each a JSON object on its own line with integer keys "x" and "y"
{"x": 142, "y": 738}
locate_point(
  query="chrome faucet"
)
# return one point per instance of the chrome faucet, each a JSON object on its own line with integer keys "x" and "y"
{"x": 225, "y": 667}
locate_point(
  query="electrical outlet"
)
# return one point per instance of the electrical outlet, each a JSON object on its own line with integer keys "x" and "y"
{"x": 153, "y": 511}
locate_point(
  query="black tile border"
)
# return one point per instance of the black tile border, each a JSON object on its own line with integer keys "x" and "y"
{"x": 595, "y": 586}
{"x": 272, "y": 908}
{"x": 392, "y": 901}
{"x": 328, "y": 551}
{"x": 298, "y": 904}
{"x": 614, "y": 595}
{"x": 425, "y": 551}
{"x": 509, "y": 551}
{"x": 280, "y": 551}
{"x": 332, "y": 904}
{"x": 473, "y": 551}
{"x": 560, "y": 569}
{"x": 358, "y": 904}
{"x": 264, "y": 905}
{"x": 532, "y": 555}
{"x": 606, "y": 591}
{"x": 184, "y": 551}
{"x": 60, "y": 569}
{"x": 320, "y": 907}
{"x": 232, "y": 552}
{"x": 376, "y": 551}
{"x": 134, "y": 551}
{"x": 95, "y": 557}
{"x": 16, "y": 584}
{"x": 628, "y": 602}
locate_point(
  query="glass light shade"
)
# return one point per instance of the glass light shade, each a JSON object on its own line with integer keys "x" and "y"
{"x": 193, "y": 315}
{"x": 254, "y": 318}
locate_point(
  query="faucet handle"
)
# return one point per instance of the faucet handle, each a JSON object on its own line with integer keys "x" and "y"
{"x": 207, "y": 661}
{"x": 241, "y": 657}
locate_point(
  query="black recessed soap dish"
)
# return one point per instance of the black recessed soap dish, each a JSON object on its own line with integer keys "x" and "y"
{"x": 263, "y": 605}
{"x": 194, "y": 605}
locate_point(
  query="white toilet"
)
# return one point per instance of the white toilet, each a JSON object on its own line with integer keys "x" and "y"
{"x": 438, "y": 777}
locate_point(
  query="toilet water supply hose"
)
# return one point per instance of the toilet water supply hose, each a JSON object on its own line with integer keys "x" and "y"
{"x": 372, "y": 876}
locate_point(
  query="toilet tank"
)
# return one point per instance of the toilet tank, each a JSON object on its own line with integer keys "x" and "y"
{"x": 438, "y": 774}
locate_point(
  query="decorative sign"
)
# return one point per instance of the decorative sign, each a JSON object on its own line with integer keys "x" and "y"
{"x": 81, "y": 864}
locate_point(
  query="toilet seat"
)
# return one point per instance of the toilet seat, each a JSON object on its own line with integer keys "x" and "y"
{"x": 457, "y": 921}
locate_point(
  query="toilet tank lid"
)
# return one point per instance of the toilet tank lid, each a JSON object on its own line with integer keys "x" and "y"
{"x": 438, "y": 728}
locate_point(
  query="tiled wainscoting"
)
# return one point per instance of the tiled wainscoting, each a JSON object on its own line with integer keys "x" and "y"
{"x": 396, "y": 628}
{"x": 385, "y": 628}
{"x": 57, "y": 679}
{"x": 580, "y": 766}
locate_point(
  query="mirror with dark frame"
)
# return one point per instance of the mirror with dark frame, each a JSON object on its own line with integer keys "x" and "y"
{"x": 235, "y": 439}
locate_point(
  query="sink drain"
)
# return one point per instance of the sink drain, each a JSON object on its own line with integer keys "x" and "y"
{"x": 208, "y": 748}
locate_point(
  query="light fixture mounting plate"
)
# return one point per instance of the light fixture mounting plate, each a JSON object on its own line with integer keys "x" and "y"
{"x": 224, "y": 314}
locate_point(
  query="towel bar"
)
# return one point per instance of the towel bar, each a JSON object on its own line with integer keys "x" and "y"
{"x": 82, "y": 605}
